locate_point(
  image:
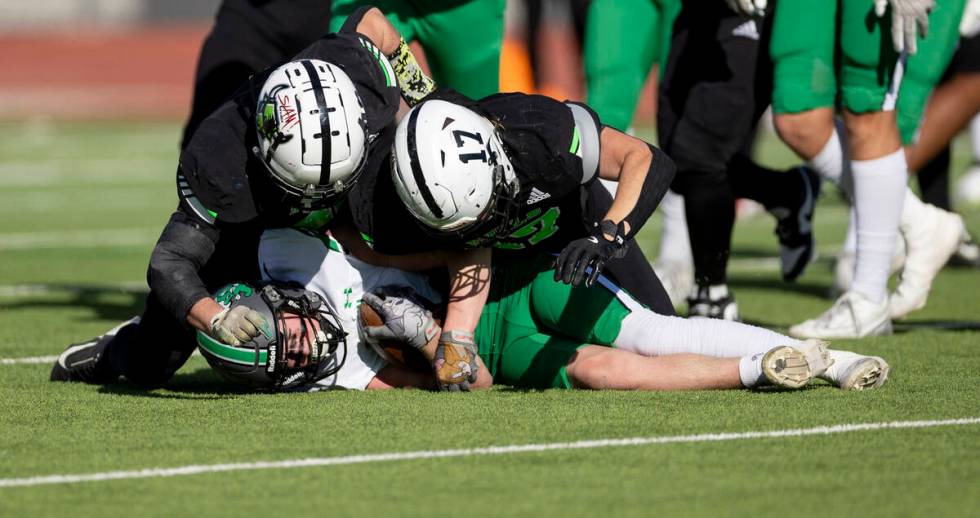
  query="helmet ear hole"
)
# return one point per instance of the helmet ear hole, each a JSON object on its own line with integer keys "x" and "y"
{"x": 311, "y": 131}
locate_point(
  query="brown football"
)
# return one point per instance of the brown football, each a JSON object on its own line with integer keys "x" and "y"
{"x": 397, "y": 353}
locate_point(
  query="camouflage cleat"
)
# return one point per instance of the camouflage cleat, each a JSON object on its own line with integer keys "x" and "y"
{"x": 786, "y": 367}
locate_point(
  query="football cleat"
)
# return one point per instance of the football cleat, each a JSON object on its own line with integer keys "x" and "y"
{"x": 80, "y": 362}
{"x": 794, "y": 227}
{"x": 931, "y": 238}
{"x": 677, "y": 278}
{"x": 786, "y": 367}
{"x": 851, "y": 316}
{"x": 817, "y": 356}
{"x": 967, "y": 255}
{"x": 845, "y": 263}
{"x": 712, "y": 302}
{"x": 852, "y": 371}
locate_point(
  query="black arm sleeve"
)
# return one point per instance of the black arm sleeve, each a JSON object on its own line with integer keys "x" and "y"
{"x": 655, "y": 186}
{"x": 182, "y": 250}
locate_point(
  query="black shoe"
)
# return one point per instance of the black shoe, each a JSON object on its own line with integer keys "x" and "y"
{"x": 794, "y": 227}
{"x": 81, "y": 361}
{"x": 713, "y": 302}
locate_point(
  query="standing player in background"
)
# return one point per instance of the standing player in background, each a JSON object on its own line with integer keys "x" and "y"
{"x": 872, "y": 67}
{"x": 717, "y": 83}
{"x": 623, "y": 40}
{"x": 461, "y": 38}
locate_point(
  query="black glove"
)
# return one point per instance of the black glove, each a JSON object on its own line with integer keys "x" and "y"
{"x": 594, "y": 251}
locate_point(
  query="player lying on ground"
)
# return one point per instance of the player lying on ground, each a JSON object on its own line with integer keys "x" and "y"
{"x": 534, "y": 333}
{"x": 282, "y": 152}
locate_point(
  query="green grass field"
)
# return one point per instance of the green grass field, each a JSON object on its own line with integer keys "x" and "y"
{"x": 80, "y": 209}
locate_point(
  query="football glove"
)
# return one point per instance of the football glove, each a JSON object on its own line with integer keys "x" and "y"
{"x": 593, "y": 251}
{"x": 907, "y": 17}
{"x": 238, "y": 325}
{"x": 404, "y": 320}
{"x": 455, "y": 364}
{"x": 748, "y": 7}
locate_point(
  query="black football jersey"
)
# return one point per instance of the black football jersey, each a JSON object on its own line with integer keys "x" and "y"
{"x": 554, "y": 148}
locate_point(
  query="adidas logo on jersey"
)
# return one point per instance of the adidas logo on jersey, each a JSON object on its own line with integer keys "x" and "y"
{"x": 747, "y": 30}
{"x": 537, "y": 196}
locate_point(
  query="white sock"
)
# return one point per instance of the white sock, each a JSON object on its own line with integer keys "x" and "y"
{"x": 975, "y": 137}
{"x": 675, "y": 245}
{"x": 650, "y": 334}
{"x": 832, "y": 162}
{"x": 750, "y": 370}
{"x": 879, "y": 190}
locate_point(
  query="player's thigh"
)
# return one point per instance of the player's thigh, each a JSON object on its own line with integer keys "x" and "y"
{"x": 402, "y": 14}
{"x": 537, "y": 360}
{"x": 462, "y": 42}
{"x": 924, "y": 69}
{"x": 708, "y": 101}
{"x": 867, "y": 77}
{"x": 622, "y": 39}
{"x": 585, "y": 314}
{"x": 802, "y": 53}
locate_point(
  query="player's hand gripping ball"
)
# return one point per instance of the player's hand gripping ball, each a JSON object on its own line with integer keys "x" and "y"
{"x": 373, "y": 320}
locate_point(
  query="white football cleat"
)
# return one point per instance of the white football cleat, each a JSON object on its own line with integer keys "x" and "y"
{"x": 852, "y": 371}
{"x": 677, "y": 278}
{"x": 786, "y": 367}
{"x": 851, "y": 316}
{"x": 817, "y": 356}
{"x": 931, "y": 238}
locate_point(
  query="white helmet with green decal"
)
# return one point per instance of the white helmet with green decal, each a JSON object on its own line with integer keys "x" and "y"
{"x": 450, "y": 170}
{"x": 311, "y": 130}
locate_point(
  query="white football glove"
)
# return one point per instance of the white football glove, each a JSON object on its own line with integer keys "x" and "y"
{"x": 238, "y": 325}
{"x": 970, "y": 24}
{"x": 748, "y": 7}
{"x": 907, "y": 16}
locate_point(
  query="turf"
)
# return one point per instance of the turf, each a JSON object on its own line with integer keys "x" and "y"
{"x": 81, "y": 206}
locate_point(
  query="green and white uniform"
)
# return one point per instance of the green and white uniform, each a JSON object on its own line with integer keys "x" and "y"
{"x": 530, "y": 327}
{"x": 320, "y": 265}
{"x": 623, "y": 39}
{"x": 461, "y": 38}
{"x": 816, "y": 61}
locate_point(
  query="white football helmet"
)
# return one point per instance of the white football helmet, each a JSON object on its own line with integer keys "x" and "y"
{"x": 450, "y": 170}
{"x": 311, "y": 130}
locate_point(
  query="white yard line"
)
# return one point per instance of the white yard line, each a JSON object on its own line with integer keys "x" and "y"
{"x": 29, "y": 360}
{"x": 470, "y": 452}
{"x": 78, "y": 238}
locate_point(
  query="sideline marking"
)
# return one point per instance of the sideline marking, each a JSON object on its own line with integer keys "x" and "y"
{"x": 468, "y": 452}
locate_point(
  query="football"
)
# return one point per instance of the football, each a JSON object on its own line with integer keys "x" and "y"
{"x": 394, "y": 352}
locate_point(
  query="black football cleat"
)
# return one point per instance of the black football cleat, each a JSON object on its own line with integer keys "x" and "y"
{"x": 81, "y": 361}
{"x": 794, "y": 227}
{"x": 712, "y": 302}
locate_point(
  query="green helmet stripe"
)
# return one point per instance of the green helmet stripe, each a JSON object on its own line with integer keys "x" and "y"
{"x": 229, "y": 353}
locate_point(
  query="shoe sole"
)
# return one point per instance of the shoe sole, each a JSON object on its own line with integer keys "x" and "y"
{"x": 786, "y": 367}
{"x": 866, "y": 374}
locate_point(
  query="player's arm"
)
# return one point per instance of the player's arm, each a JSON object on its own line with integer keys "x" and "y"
{"x": 412, "y": 81}
{"x": 643, "y": 172}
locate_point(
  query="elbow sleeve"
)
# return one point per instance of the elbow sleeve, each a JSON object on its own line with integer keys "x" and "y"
{"x": 655, "y": 185}
{"x": 180, "y": 253}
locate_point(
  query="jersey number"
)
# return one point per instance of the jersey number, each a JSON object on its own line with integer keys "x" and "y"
{"x": 466, "y": 157}
{"x": 538, "y": 225}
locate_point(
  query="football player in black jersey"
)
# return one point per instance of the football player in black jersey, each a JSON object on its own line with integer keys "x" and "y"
{"x": 517, "y": 172}
{"x": 282, "y": 152}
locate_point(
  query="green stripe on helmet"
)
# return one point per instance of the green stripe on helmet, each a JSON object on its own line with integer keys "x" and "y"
{"x": 230, "y": 353}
